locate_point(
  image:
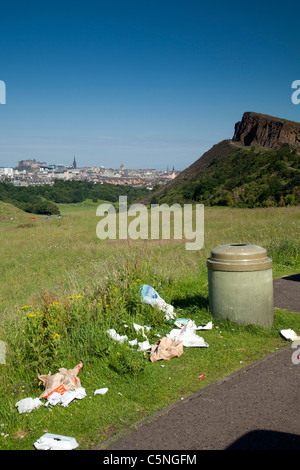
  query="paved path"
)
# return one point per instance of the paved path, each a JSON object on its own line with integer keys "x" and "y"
{"x": 257, "y": 407}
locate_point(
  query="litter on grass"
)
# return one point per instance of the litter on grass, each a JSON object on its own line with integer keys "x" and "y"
{"x": 188, "y": 336}
{"x": 114, "y": 335}
{"x": 166, "y": 348}
{"x": 2, "y": 352}
{"x": 139, "y": 328}
{"x": 56, "y": 398}
{"x": 55, "y": 442}
{"x": 28, "y": 404}
{"x": 290, "y": 335}
{"x": 101, "y": 391}
{"x": 151, "y": 297}
{"x": 182, "y": 322}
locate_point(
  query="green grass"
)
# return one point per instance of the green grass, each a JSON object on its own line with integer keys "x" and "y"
{"x": 48, "y": 260}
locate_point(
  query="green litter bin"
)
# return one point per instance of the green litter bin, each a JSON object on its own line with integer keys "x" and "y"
{"x": 240, "y": 284}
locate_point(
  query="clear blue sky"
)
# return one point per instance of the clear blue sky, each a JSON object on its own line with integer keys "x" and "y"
{"x": 144, "y": 83}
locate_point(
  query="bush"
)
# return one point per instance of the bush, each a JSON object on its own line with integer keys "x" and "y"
{"x": 285, "y": 252}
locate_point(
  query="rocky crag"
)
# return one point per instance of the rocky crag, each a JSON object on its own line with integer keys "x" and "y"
{"x": 266, "y": 131}
{"x": 254, "y": 169}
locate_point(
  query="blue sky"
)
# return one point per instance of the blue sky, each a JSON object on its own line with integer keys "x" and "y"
{"x": 143, "y": 83}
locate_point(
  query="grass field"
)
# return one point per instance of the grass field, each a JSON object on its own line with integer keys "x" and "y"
{"x": 47, "y": 261}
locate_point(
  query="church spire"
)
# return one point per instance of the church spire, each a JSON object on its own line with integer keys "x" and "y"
{"x": 74, "y": 163}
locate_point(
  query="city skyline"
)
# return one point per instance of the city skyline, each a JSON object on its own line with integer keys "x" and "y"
{"x": 144, "y": 84}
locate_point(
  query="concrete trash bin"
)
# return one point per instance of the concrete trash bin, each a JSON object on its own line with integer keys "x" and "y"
{"x": 240, "y": 284}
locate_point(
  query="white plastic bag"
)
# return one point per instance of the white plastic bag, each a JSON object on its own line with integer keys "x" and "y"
{"x": 101, "y": 391}
{"x": 55, "y": 442}
{"x": 188, "y": 336}
{"x": 290, "y": 335}
{"x": 114, "y": 335}
{"x": 28, "y": 404}
{"x": 66, "y": 398}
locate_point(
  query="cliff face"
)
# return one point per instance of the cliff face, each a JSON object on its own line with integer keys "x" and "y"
{"x": 266, "y": 131}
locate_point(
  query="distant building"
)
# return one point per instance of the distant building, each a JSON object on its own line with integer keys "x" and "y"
{"x": 74, "y": 163}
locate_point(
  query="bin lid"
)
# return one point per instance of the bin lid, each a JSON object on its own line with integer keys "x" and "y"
{"x": 239, "y": 257}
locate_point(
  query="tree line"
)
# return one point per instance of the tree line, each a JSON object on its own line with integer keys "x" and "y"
{"x": 249, "y": 177}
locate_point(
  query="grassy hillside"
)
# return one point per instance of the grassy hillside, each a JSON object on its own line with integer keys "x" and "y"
{"x": 8, "y": 211}
{"x": 45, "y": 199}
{"x": 232, "y": 175}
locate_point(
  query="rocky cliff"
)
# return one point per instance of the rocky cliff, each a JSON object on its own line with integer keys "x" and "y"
{"x": 266, "y": 131}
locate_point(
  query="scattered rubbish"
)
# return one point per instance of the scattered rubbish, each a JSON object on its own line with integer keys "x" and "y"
{"x": 201, "y": 376}
{"x": 66, "y": 398}
{"x": 139, "y": 328}
{"x": 181, "y": 322}
{"x": 2, "y": 352}
{"x": 61, "y": 382}
{"x": 134, "y": 342}
{"x": 290, "y": 335}
{"x": 151, "y": 297}
{"x": 100, "y": 391}
{"x": 28, "y": 404}
{"x": 166, "y": 348}
{"x": 114, "y": 335}
{"x": 188, "y": 336}
{"x": 55, "y": 442}
{"x": 144, "y": 346}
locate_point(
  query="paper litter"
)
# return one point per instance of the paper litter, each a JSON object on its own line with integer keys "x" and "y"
{"x": 144, "y": 346}
{"x": 141, "y": 328}
{"x": 166, "y": 348}
{"x": 114, "y": 335}
{"x": 151, "y": 297}
{"x": 182, "y": 322}
{"x": 101, "y": 391}
{"x": 55, "y": 442}
{"x": 290, "y": 335}
{"x": 188, "y": 336}
{"x": 28, "y": 404}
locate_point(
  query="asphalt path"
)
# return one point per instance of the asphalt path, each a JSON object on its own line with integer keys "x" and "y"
{"x": 255, "y": 408}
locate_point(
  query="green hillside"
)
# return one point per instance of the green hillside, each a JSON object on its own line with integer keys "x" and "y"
{"x": 233, "y": 175}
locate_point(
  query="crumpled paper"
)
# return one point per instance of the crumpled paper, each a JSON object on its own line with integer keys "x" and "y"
{"x": 51, "y": 441}
{"x": 26, "y": 405}
{"x": 151, "y": 297}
